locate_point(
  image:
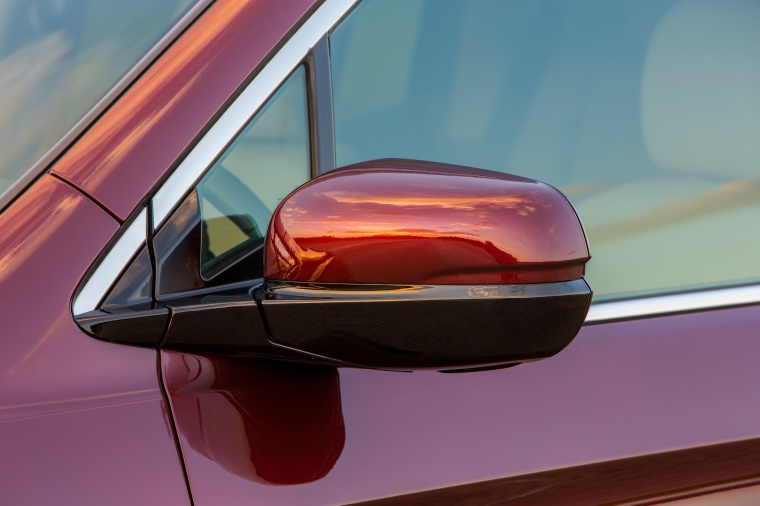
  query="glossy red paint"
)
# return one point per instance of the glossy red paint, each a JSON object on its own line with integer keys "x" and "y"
{"x": 269, "y": 423}
{"x": 131, "y": 147}
{"x": 413, "y": 222}
{"x": 73, "y": 410}
{"x": 619, "y": 390}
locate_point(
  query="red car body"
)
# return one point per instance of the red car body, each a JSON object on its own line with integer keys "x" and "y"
{"x": 639, "y": 410}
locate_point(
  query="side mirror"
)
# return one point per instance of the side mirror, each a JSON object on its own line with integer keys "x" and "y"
{"x": 402, "y": 264}
{"x": 391, "y": 264}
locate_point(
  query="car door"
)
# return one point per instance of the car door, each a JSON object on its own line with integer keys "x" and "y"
{"x": 654, "y": 398}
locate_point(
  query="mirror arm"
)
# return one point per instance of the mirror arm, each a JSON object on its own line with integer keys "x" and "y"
{"x": 228, "y": 323}
{"x": 141, "y": 325}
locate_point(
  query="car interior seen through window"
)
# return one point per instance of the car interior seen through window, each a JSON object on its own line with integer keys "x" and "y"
{"x": 631, "y": 108}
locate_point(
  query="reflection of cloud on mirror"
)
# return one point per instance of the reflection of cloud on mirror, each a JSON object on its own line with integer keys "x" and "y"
{"x": 384, "y": 207}
{"x": 464, "y": 202}
{"x": 421, "y": 222}
{"x": 273, "y": 423}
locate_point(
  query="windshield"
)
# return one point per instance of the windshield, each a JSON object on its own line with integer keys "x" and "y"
{"x": 58, "y": 58}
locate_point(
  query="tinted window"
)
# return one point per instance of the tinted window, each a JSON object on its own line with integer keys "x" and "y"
{"x": 267, "y": 161}
{"x": 645, "y": 113}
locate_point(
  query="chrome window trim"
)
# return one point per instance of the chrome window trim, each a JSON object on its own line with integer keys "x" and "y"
{"x": 659, "y": 305}
{"x": 111, "y": 267}
{"x": 209, "y": 148}
{"x": 245, "y": 107}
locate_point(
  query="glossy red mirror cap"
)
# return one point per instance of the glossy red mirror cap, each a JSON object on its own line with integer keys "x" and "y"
{"x": 397, "y": 221}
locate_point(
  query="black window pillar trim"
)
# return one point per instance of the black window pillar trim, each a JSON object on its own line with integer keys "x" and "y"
{"x": 322, "y": 130}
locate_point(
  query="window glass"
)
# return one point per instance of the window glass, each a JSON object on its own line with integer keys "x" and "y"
{"x": 646, "y": 113}
{"x": 268, "y": 160}
{"x": 58, "y": 58}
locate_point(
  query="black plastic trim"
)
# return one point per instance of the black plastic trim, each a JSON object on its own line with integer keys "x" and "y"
{"x": 138, "y": 325}
{"x": 425, "y": 327}
{"x": 321, "y": 108}
{"x": 227, "y": 321}
{"x": 221, "y": 322}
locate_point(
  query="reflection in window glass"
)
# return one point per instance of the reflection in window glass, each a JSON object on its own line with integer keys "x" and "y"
{"x": 58, "y": 58}
{"x": 646, "y": 113}
{"x": 269, "y": 159}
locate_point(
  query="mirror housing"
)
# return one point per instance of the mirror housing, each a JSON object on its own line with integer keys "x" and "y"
{"x": 403, "y": 264}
